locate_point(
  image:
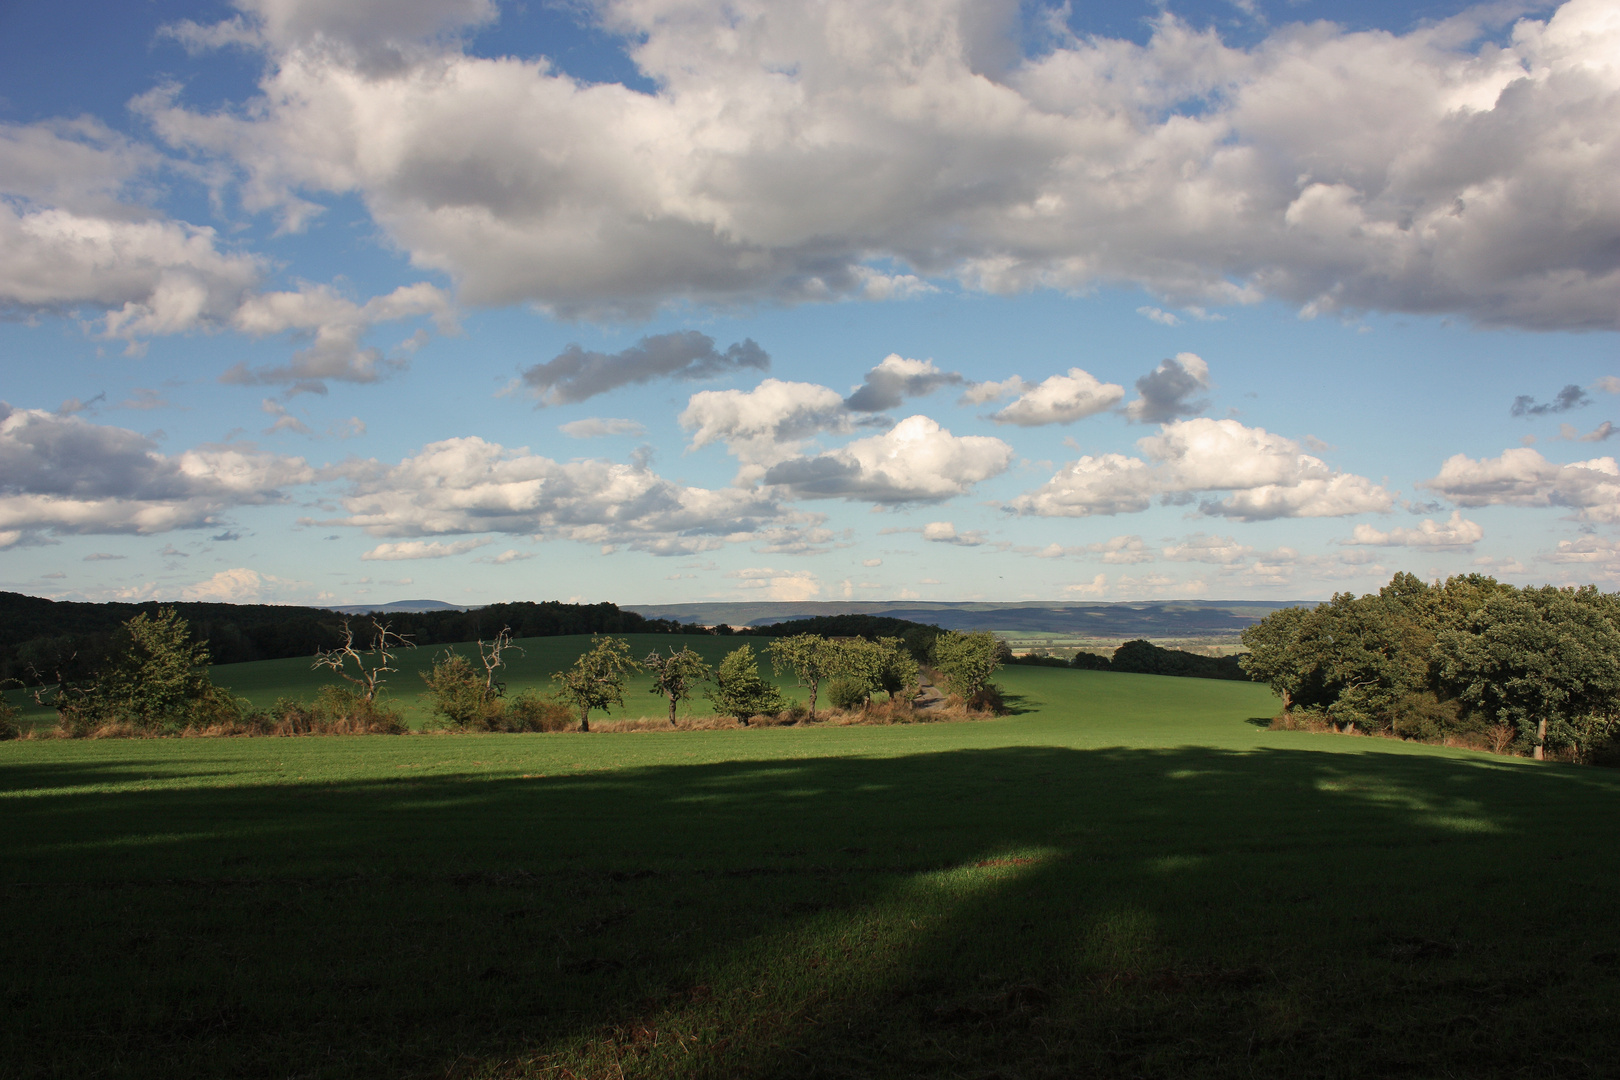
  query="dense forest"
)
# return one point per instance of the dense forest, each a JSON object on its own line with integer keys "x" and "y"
{"x": 41, "y": 640}
{"x": 1535, "y": 669}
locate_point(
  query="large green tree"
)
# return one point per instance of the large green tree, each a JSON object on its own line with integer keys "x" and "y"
{"x": 676, "y": 675}
{"x": 1546, "y": 660}
{"x": 596, "y": 681}
{"x": 811, "y": 658}
{"x": 967, "y": 660}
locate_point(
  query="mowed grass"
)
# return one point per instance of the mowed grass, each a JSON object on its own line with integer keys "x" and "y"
{"x": 1129, "y": 877}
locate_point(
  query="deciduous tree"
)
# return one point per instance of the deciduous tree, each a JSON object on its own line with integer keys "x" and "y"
{"x": 675, "y": 675}
{"x": 739, "y": 691}
{"x": 596, "y": 681}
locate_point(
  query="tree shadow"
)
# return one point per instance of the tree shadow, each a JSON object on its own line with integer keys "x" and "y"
{"x": 1030, "y": 911}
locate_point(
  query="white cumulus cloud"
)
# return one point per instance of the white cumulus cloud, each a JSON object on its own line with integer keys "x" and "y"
{"x": 1456, "y": 534}
{"x": 915, "y": 461}
{"x": 790, "y": 149}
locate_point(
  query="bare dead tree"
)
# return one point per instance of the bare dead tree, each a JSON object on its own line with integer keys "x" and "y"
{"x": 490, "y": 654}
{"x": 371, "y": 663}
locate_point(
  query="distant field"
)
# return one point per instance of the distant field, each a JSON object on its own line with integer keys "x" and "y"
{"x": 262, "y": 682}
{"x": 1129, "y": 877}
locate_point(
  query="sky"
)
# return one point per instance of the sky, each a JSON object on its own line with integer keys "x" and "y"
{"x": 658, "y": 301}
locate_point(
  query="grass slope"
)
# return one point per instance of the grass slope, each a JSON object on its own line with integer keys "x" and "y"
{"x": 1129, "y": 878}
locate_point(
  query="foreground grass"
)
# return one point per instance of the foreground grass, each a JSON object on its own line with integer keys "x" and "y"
{"x": 1128, "y": 878}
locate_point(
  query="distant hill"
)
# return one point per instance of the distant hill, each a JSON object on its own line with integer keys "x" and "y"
{"x": 398, "y": 606}
{"x": 1128, "y": 619}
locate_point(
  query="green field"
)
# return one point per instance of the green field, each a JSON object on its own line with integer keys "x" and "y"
{"x": 1128, "y": 877}
{"x": 263, "y": 682}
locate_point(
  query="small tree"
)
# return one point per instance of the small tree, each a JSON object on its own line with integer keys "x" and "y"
{"x": 675, "y": 675}
{"x": 810, "y": 657}
{"x": 493, "y": 660}
{"x": 894, "y": 669}
{"x": 738, "y": 689}
{"x": 967, "y": 661}
{"x": 596, "y": 681}
{"x": 456, "y": 691}
{"x": 158, "y": 679}
{"x": 370, "y": 664}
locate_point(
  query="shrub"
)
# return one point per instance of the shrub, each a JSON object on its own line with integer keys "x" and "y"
{"x": 9, "y": 728}
{"x": 847, "y": 693}
{"x": 339, "y": 710}
{"x": 531, "y": 712}
{"x": 738, "y": 689}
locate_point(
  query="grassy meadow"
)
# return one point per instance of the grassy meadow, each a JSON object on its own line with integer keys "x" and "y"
{"x": 1129, "y": 876}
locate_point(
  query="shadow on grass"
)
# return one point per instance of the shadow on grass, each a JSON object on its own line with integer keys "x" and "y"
{"x": 1017, "y": 704}
{"x": 1018, "y": 911}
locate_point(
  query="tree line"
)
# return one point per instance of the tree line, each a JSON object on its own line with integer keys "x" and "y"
{"x": 1142, "y": 657}
{"x": 155, "y": 679}
{"x": 43, "y": 641}
{"x": 1534, "y": 669}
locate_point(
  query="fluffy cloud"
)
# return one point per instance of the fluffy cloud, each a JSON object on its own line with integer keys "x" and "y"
{"x": 1059, "y": 399}
{"x": 765, "y": 425}
{"x": 1456, "y": 534}
{"x": 1166, "y": 391}
{"x": 943, "y": 532}
{"x": 335, "y": 327}
{"x": 468, "y": 485}
{"x": 370, "y": 29}
{"x": 1522, "y": 477}
{"x": 1592, "y": 554}
{"x": 73, "y": 239}
{"x": 789, "y": 147}
{"x": 1268, "y": 476}
{"x": 915, "y": 461}
{"x": 1199, "y": 547}
{"x": 778, "y": 584}
{"x": 895, "y": 379}
{"x": 64, "y": 474}
{"x": 236, "y": 586}
{"x": 424, "y": 549}
{"x": 577, "y": 374}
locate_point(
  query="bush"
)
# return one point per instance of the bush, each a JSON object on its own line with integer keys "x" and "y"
{"x": 847, "y": 694}
{"x": 9, "y": 728}
{"x": 338, "y": 710}
{"x": 531, "y": 712}
{"x": 1424, "y": 716}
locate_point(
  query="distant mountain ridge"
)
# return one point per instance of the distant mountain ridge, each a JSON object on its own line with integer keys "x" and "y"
{"x": 1123, "y": 619}
{"x": 401, "y": 605}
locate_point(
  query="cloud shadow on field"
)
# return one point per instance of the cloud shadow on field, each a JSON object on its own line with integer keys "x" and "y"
{"x": 1026, "y": 911}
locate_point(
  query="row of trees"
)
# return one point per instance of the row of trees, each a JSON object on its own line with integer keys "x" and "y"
{"x": 158, "y": 680}
{"x": 851, "y": 669}
{"x": 1538, "y": 667}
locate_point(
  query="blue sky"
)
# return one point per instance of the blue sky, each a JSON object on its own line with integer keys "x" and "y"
{"x": 663, "y": 300}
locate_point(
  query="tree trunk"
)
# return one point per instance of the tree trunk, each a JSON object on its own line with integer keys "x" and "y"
{"x": 813, "y": 687}
{"x": 584, "y": 719}
{"x": 1541, "y": 739}
{"x": 1288, "y": 701}
{"x": 672, "y": 712}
